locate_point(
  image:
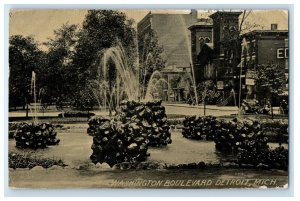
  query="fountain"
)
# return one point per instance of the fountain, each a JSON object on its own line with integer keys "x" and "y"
{"x": 186, "y": 35}
{"x": 116, "y": 54}
{"x": 119, "y": 83}
{"x": 155, "y": 85}
{"x": 124, "y": 83}
{"x": 145, "y": 72}
{"x": 125, "y": 80}
{"x": 33, "y": 91}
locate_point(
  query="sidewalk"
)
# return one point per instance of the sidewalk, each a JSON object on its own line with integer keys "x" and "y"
{"x": 209, "y": 107}
{"x": 171, "y": 108}
{"x": 48, "y": 113}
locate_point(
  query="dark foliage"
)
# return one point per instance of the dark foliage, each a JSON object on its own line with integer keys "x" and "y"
{"x": 35, "y": 136}
{"x": 199, "y": 127}
{"x": 27, "y": 161}
{"x": 116, "y": 142}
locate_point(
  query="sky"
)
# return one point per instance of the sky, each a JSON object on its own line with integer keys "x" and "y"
{"x": 41, "y": 23}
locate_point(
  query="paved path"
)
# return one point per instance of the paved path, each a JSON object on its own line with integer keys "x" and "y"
{"x": 171, "y": 108}
{"x": 184, "y": 109}
{"x": 201, "y": 106}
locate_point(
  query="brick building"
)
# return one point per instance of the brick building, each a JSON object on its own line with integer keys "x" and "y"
{"x": 174, "y": 37}
{"x": 268, "y": 46}
{"x": 179, "y": 35}
{"x": 172, "y": 33}
{"x": 263, "y": 47}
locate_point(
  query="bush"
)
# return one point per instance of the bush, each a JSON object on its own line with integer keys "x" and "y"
{"x": 239, "y": 134}
{"x": 152, "y": 116}
{"x": 94, "y": 123}
{"x": 277, "y": 158}
{"x": 76, "y": 114}
{"x": 126, "y": 137}
{"x": 27, "y": 161}
{"x": 12, "y": 128}
{"x": 35, "y": 136}
{"x": 276, "y": 130}
{"x": 116, "y": 142}
{"x": 246, "y": 138}
{"x": 199, "y": 128}
{"x": 207, "y": 127}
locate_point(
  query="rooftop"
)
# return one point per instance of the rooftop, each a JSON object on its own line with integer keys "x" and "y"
{"x": 220, "y": 13}
{"x": 203, "y": 22}
{"x": 266, "y": 32}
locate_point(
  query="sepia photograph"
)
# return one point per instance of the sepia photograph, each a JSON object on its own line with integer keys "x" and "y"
{"x": 148, "y": 99}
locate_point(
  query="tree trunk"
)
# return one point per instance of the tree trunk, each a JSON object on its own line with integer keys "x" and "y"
{"x": 26, "y": 108}
{"x": 204, "y": 106}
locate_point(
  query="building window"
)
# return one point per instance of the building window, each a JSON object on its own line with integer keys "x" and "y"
{"x": 207, "y": 39}
{"x": 274, "y": 27}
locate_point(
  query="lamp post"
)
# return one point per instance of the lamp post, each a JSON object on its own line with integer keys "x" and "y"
{"x": 194, "y": 83}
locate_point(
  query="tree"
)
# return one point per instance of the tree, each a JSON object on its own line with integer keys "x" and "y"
{"x": 59, "y": 76}
{"x": 150, "y": 55}
{"x": 270, "y": 81}
{"x": 24, "y": 57}
{"x": 86, "y": 99}
{"x": 101, "y": 29}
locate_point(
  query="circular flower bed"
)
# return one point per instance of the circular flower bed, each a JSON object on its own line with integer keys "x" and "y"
{"x": 35, "y": 136}
{"x": 115, "y": 142}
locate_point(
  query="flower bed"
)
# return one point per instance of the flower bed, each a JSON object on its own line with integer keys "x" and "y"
{"x": 267, "y": 159}
{"x": 230, "y": 136}
{"x": 153, "y": 118}
{"x": 12, "y": 128}
{"x": 276, "y": 130}
{"x": 94, "y": 123}
{"x": 199, "y": 127}
{"x": 76, "y": 114}
{"x": 27, "y": 161}
{"x": 116, "y": 142}
{"x": 245, "y": 138}
{"x": 126, "y": 137}
{"x": 35, "y": 136}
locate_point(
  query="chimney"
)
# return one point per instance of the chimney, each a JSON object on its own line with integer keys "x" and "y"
{"x": 194, "y": 14}
{"x": 274, "y": 27}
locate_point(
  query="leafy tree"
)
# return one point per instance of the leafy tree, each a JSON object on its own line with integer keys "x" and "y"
{"x": 86, "y": 99}
{"x": 59, "y": 77}
{"x": 270, "y": 81}
{"x": 24, "y": 57}
{"x": 150, "y": 55}
{"x": 101, "y": 29}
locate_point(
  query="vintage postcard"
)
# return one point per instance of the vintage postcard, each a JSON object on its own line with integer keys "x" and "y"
{"x": 189, "y": 99}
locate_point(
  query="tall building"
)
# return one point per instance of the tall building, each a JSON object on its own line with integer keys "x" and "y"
{"x": 226, "y": 53}
{"x": 172, "y": 31}
{"x": 203, "y": 29}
